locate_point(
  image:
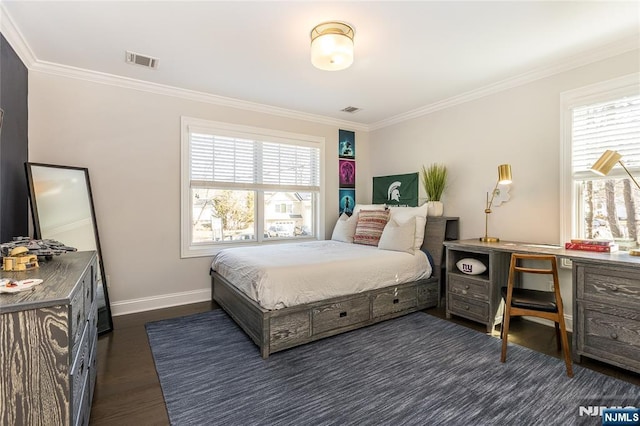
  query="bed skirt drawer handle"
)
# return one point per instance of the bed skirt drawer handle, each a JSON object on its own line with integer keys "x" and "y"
{"x": 343, "y": 314}
{"x": 396, "y": 301}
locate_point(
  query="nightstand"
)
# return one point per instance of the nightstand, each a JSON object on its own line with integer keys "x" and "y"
{"x": 476, "y": 297}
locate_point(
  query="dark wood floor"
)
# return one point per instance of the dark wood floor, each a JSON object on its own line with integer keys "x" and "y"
{"x": 128, "y": 391}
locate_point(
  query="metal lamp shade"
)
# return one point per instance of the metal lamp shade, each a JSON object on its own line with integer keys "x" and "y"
{"x": 504, "y": 174}
{"x": 606, "y": 162}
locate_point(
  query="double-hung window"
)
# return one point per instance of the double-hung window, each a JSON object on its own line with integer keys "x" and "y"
{"x": 246, "y": 185}
{"x": 597, "y": 118}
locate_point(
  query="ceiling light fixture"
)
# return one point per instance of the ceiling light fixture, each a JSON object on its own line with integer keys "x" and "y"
{"x": 332, "y": 46}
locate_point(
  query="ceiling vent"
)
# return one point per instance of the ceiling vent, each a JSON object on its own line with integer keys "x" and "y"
{"x": 351, "y": 109}
{"x": 145, "y": 61}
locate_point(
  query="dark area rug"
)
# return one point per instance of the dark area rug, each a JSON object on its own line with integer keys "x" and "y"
{"x": 414, "y": 370}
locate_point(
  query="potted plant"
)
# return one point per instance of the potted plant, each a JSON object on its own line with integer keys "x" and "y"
{"x": 434, "y": 180}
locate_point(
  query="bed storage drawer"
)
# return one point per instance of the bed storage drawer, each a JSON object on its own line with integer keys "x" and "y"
{"x": 428, "y": 293}
{"x": 288, "y": 330}
{"x": 340, "y": 314}
{"x": 394, "y": 300}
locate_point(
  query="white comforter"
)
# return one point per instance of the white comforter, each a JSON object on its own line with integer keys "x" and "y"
{"x": 277, "y": 276}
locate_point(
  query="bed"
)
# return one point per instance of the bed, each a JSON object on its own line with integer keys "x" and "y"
{"x": 276, "y": 320}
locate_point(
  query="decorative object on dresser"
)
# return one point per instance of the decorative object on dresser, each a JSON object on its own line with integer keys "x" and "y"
{"x": 62, "y": 209}
{"x": 48, "y": 341}
{"x": 470, "y": 266}
{"x": 434, "y": 181}
{"x": 504, "y": 178}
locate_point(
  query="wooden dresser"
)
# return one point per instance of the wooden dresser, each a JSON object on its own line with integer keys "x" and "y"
{"x": 607, "y": 312}
{"x": 48, "y": 340}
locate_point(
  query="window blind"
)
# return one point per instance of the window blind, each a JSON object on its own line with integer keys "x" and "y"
{"x": 613, "y": 125}
{"x": 225, "y": 160}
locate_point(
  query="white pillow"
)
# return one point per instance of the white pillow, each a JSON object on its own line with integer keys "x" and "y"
{"x": 402, "y": 214}
{"x": 345, "y": 228}
{"x": 398, "y": 236}
{"x": 359, "y": 207}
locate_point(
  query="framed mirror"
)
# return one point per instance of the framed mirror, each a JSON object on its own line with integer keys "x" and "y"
{"x": 62, "y": 209}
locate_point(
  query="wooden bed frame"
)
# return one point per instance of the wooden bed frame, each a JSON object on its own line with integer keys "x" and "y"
{"x": 276, "y": 330}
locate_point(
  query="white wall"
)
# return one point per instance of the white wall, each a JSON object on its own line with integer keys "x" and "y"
{"x": 130, "y": 141}
{"x": 519, "y": 126}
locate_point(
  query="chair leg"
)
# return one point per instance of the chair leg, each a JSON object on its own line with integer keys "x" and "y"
{"x": 565, "y": 347}
{"x": 505, "y": 334}
{"x": 558, "y": 343}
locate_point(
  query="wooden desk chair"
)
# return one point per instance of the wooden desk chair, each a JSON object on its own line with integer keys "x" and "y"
{"x": 535, "y": 303}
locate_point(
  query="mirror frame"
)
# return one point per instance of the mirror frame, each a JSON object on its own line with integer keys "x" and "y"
{"x": 105, "y": 320}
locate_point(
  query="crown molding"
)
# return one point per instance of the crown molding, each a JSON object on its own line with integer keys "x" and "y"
{"x": 15, "y": 38}
{"x": 19, "y": 44}
{"x": 603, "y": 52}
{"x": 192, "y": 95}
{"x": 13, "y": 35}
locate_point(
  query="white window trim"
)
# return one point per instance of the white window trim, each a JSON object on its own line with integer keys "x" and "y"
{"x": 599, "y": 92}
{"x": 187, "y": 249}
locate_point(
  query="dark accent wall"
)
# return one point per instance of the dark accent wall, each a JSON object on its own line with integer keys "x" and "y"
{"x": 14, "y": 148}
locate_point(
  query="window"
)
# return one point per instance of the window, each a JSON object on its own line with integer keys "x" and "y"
{"x": 244, "y": 185}
{"x": 597, "y": 118}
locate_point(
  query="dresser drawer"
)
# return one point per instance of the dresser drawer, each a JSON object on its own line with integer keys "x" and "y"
{"x": 619, "y": 286}
{"x": 77, "y": 316}
{"x": 468, "y": 308}
{"x": 394, "y": 300}
{"x": 342, "y": 314}
{"x": 87, "y": 288}
{"x": 468, "y": 287}
{"x": 610, "y": 333}
{"x": 79, "y": 374}
{"x": 93, "y": 366}
{"x": 84, "y": 409}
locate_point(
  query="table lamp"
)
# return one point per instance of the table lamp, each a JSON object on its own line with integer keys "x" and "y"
{"x": 604, "y": 165}
{"x": 504, "y": 177}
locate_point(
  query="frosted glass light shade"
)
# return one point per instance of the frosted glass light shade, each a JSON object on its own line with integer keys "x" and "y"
{"x": 332, "y": 46}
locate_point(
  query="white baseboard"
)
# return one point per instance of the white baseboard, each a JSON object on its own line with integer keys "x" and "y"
{"x": 158, "y": 302}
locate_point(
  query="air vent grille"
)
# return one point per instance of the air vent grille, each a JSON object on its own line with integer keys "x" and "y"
{"x": 143, "y": 60}
{"x": 350, "y": 109}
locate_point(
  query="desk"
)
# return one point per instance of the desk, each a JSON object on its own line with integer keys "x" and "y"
{"x": 606, "y": 295}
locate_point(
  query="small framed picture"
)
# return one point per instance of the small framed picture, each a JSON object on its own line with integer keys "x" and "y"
{"x": 347, "y": 173}
{"x": 347, "y": 200}
{"x": 346, "y": 144}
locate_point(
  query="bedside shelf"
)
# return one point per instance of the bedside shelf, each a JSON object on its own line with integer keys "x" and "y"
{"x": 476, "y": 297}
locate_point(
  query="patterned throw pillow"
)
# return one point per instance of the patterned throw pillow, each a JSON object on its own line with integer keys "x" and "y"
{"x": 370, "y": 225}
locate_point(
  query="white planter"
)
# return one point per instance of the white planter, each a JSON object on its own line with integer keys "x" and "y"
{"x": 435, "y": 208}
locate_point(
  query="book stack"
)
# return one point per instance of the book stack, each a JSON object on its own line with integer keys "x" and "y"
{"x": 600, "y": 246}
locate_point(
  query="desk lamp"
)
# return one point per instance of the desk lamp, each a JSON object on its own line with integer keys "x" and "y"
{"x": 604, "y": 165}
{"x": 504, "y": 177}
